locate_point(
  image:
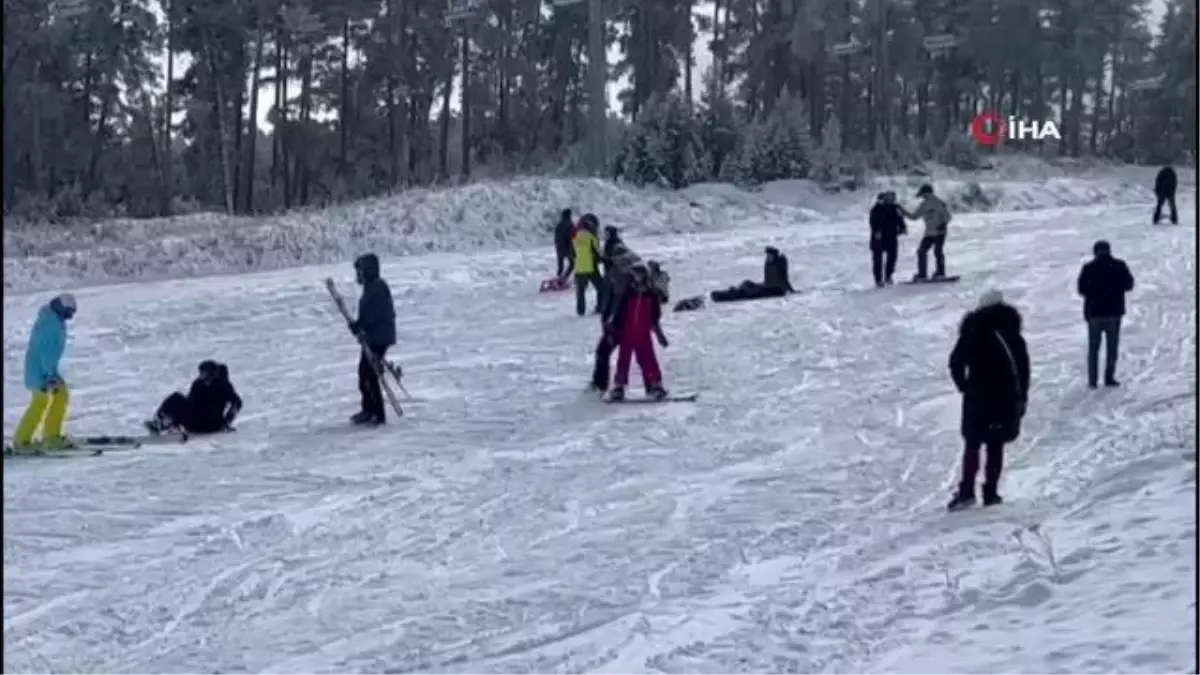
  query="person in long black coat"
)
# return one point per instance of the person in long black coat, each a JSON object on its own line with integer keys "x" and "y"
{"x": 990, "y": 367}
{"x": 1165, "y": 184}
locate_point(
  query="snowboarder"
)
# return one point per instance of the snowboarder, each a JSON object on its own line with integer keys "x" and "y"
{"x": 936, "y": 215}
{"x": 990, "y": 367}
{"x": 376, "y": 325}
{"x": 562, "y": 244}
{"x": 48, "y": 406}
{"x": 633, "y": 325}
{"x": 887, "y": 224}
{"x": 1103, "y": 283}
{"x": 618, "y": 262}
{"x": 776, "y": 281}
{"x": 1164, "y": 190}
{"x": 211, "y": 405}
{"x": 586, "y": 248}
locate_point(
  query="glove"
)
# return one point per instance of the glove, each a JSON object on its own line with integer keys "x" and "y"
{"x": 662, "y": 340}
{"x": 54, "y": 384}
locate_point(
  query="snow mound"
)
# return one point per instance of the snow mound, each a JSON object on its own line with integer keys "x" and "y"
{"x": 478, "y": 217}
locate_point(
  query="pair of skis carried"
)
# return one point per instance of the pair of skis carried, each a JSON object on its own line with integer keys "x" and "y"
{"x": 379, "y": 366}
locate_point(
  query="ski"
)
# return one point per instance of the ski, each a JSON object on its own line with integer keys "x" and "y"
{"x": 379, "y": 367}
{"x": 672, "y": 398}
{"x": 933, "y": 280}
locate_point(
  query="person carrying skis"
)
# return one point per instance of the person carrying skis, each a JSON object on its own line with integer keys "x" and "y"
{"x": 586, "y": 248}
{"x": 936, "y": 215}
{"x": 376, "y": 328}
{"x": 211, "y": 405}
{"x": 48, "y": 406}
{"x": 634, "y": 325}
{"x": 990, "y": 367}
{"x": 1103, "y": 283}
{"x": 887, "y": 224}
{"x": 1165, "y": 184}
{"x": 562, "y": 244}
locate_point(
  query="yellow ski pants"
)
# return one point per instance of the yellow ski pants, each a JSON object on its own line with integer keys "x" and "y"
{"x": 50, "y": 406}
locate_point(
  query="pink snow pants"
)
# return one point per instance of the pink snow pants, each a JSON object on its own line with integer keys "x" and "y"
{"x": 641, "y": 345}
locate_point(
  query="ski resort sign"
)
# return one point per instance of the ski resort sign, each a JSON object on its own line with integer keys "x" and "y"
{"x": 991, "y": 128}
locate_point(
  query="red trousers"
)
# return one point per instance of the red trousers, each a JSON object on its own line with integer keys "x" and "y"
{"x": 641, "y": 345}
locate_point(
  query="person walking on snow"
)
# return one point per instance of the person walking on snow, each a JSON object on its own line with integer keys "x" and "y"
{"x": 562, "y": 243}
{"x": 211, "y": 405}
{"x": 586, "y": 247}
{"x": 376, "y": 326}
{"x": 936, "y": 215}
{"x": 990, "y": 367}
{"x": 634, "y": 324}
{"x": 1103, "y": 283}
{"x": 618, "y": 262}
{"x": 887, "y": 224}
{"x": 1165, "y": 184}
{"x": 48, "y": 406}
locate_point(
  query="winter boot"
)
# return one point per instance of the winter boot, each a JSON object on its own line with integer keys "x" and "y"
{"x": 58, "y": 443}
{"x": 657, "y": 392}
{"x": 991, "y": 497}
{"x": 962, "y": 499}
{"x": 362, "y": 417}
{"x": 1111, "y": 382}
{"x": 919, "y": 277}
{"x": 616, "y": 394}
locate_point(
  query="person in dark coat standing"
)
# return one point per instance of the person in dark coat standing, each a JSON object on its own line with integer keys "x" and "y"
{"x": 990, "y": 367}
{"x": 1164, "y": 190}
{"x": 1103, "y": 283}
{"x": 376, "y": 326}
{"x": 562, "y": 243}
{"x": 887, "y": 224}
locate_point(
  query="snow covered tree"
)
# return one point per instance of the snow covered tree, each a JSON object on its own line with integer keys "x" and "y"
{"x": 663, "y": 147}
{"x": 777, "y": 148}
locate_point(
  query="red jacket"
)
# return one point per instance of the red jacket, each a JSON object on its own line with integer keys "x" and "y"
{"x": 638, "y": 311}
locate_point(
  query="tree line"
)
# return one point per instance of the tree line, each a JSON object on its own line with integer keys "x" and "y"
{"x": 363, "y": 96}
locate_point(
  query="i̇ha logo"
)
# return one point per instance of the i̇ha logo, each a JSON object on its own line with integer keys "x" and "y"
{"x": 990, "y": 128}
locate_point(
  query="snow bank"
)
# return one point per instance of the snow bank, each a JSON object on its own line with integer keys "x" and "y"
{"x": 477, "y": 217}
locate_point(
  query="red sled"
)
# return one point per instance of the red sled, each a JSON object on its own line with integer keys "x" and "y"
{"x": 555, "y": 284}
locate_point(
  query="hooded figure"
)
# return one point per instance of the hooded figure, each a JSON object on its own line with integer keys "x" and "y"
{"x": 1165, "y": 184}
{"x": 619, "y": 261}
{"x": 586, "y": 260}
{"x": 376, "y": 329}
{"x": 990, "y": 367}
{"x": 47, "y": 343}
{"x": 775, "y": 271}
{"x": 1103, "y": 283}
{"x": 887, "y": 224}
{"x": 936, "y": 215}
{"x": 562, "y": 243}
{"x": 211, "y": 405}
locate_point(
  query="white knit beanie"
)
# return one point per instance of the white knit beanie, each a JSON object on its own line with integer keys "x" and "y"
{"x": 992, "y": 297}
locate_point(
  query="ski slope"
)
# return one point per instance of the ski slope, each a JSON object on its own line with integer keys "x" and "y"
{"x": 790, "y": 520}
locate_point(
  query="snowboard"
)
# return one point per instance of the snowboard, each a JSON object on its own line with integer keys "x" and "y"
{"x": 672, "y": 398}
{"x": 932, "y": 280}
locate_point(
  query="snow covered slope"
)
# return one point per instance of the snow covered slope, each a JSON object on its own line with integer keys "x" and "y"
{"x": 790, "y": 520}
{"x": 495, "y": 216}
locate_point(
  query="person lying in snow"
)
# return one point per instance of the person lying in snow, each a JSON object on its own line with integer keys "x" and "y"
{"x": 776, "y": 282}
{"x": 211, "y": 405}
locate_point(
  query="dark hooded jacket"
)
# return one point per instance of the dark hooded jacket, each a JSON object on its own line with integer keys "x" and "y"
{"x": 887, "y": 224}
{"x": 1165, "y": 182}
{"x": 990, "y": 367}
{"x": 212, "y": 405}
{"x": 376, "y": 312}
{"x": 1103, "y": 283}
{"x": 775, "y": 271}
{"x": 562, "y": 234}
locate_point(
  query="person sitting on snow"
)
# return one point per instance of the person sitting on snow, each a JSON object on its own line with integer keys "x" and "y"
{"x": 211, "y": 405}
{"x": 776, "y": 282}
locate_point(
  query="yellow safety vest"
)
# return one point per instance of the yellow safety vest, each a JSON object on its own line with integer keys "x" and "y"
{"x": 585, "y": 252}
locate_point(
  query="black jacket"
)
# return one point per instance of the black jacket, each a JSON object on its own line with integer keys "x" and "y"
{"x": 562, "y": 235}
{"x": 376, "y": 311}
{"x": 887, "y": 223}
{"x": 1165, "y": 182}
{"x": 775, "y": 273}
{"x": 212, "y": 405}
{"x": 990, "y": 367}
{"x": 1103, "y": 283}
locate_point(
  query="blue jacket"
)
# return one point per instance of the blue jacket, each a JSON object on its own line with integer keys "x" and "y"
{"x": 47, "y": 342}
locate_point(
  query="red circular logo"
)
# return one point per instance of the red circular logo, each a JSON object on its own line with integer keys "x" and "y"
{"x": 987, "y": 128}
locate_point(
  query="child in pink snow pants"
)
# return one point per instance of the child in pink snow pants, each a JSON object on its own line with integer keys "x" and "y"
{"x": 635, "y": 326}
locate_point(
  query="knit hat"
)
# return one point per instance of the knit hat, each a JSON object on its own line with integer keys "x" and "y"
{"x": 990, "y": 298}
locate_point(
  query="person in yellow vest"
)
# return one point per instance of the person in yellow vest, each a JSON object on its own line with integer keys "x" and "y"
{"x": 586, "y": 248}
{"x": 47, "y": 342}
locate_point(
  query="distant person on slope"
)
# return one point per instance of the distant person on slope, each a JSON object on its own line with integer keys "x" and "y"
{"x": 1103, "y": 283}
{"x": 634, "y": 325}
{"x": 1165, "y": 184}
{"x": 586, "y": 258}
{"x": 887, "y": 224}
{"x": 562, "y": 243}
{"x": 990, "y": 368}
{"x": 211, "y": 405}
{"x": 47, "y": 342}
{"x": 776, "y": 281}
{"x": 376, "y": 324}
{"x": 936, "y": 215}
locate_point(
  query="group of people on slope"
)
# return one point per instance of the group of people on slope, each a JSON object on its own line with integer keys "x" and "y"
{"x": 887, "y": 222}
{"x": 990, "y": 366}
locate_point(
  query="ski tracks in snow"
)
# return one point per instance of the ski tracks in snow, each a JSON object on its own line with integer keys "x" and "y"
{"x": 791, "y": 520}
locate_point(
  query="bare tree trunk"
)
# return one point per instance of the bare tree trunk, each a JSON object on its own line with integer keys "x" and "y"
{"x": 465, "y": 126}
{"x": 344, "y": 113}
{"x": 167, "y": 193}
{"x": 251, "y": 160}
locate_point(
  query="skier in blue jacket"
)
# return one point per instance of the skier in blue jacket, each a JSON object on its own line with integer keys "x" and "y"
{"x": 47, "y": 342}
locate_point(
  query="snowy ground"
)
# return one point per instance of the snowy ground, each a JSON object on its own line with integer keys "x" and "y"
{"x": 791, "y": 520}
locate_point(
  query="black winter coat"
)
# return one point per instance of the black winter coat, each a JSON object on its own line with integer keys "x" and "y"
{"x": 775, "y": 273}
{"x": 376, "y": 311}
{"x": 887, "y": 224}
{"x": 1103, "y": 283}
{"x": 1165, "y": 182}
{"x": 562, "y": 236}
{"x": 211, "y": 405}
{"x": 990, "y": 367}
